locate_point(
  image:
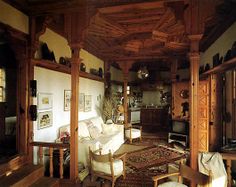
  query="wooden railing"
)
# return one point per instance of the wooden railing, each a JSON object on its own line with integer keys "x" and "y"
{"x": 229, "y": 157}
{"x": 51, "y": 146}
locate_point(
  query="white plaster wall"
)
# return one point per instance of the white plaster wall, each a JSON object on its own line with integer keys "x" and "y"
{"x": 13, "y": 17}
{"x": 116, "y": 74}
{"x": 153, "y": 97}
{"x": 49, "y": 81}
{"x": 221, "y": 45}
{"x": 55, "y": 43}
{"x": 91, "y": 61}
{"x": 53, "y": 82}
{"x": 96, "y": 89}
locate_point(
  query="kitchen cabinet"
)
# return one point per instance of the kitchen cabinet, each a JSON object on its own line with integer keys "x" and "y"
{"x": 154, "y": 119}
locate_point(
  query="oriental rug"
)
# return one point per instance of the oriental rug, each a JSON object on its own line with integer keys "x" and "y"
{"x": 153, "y": 156}
{"x": 142, "y": 177}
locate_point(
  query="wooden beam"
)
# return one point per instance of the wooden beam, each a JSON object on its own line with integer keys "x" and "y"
{"x": 131, "y": 7}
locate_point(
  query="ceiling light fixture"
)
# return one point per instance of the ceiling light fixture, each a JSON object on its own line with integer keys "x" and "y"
{"x": 143, "y": 73}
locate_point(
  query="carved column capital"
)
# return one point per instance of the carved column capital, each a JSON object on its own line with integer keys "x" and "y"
{"x": 194, "y": 42}
{"x": 194, "y": 56}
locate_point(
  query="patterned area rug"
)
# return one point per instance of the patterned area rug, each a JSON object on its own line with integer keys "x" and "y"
{"x": 143, "y": 177}
{"x": 155, "y": 156}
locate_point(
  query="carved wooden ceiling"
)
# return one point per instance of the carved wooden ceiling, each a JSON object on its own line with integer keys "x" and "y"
{"x": 136, "y": 30}
{"x": 142, "y": 31}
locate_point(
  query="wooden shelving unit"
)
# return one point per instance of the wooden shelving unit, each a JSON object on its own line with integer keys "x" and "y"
{"x": 51, "y": 65}
{"x": 230, "y": 64}
{"x": 64, "y": 69}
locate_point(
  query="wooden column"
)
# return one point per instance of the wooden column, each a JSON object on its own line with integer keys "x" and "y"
{"x": 173, "y": 69}
{"x": 74, "y": 115}
{"x": 107, "y": 74}
{"x": 125, "y": 66}
{"x": 194, "y": 58}
{"x": 126, "y": 76}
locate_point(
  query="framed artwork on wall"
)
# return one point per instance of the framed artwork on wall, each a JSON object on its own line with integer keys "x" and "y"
{"x": 81, "y": 101}
{"x": 67, "y": 100}
{"x": 45, "y": 119}
{"x": 87, "y": 103}
{"x": 44, "y": 101}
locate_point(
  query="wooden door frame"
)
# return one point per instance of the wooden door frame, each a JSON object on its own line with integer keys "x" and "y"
{"x": 20, "y": 48}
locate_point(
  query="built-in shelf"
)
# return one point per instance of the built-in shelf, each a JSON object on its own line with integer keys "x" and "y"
{"x": 52, "y": 65}
{"x": 90, "y": 76}
{"x": 230, "y": 64}
{"x": 64, "y": 69}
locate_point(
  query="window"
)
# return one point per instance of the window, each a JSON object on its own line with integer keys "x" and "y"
{"x": 128, "y": 90}
{"x": 2, "y": 85}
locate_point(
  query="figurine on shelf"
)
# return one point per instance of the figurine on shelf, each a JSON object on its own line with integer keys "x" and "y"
{"x": 100, "y": 72}
{"x": 46, "y": 53}
{"x": 207, "y": 67}
{"x": 82, "y": 67}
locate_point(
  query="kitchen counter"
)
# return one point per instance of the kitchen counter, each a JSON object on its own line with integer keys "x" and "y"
{"x": 134, "y": 108}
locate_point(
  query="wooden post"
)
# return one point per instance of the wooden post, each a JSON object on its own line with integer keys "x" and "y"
{"x": 61, "y": 153}
{"x": 194, "y": 58}
{"x": 125, "y": 66}
{"x": 51, "y": 161}
{"x": 74, "y": 115}
{"x": 125, "y": 74}
{"x": 173, "y": 70}
{"x": 107, "y": 74}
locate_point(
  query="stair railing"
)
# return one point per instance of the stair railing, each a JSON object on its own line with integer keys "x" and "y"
{"x": 51, "y": 146}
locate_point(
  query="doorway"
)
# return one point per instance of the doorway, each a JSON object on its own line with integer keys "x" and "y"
{"x": 13, "y": 94}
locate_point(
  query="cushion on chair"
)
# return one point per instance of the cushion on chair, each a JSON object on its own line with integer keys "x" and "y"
{"x": 172, "y": 184}
{"x": 135, "y": 133}
{"x": 105, "y": 167}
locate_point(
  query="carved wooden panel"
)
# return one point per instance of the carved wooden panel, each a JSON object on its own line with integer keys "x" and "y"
{"x": 203, "y": 117}
{"x": 215, "y": 134}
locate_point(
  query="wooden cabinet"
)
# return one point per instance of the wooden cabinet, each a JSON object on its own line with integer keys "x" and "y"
{"x": 209, "y": 111}
{"x": 154, "y": 119}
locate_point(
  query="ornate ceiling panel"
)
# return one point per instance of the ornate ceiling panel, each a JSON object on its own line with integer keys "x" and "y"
{"x": 152, "y": 30}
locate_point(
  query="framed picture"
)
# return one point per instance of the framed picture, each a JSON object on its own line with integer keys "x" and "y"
{"x": 81, "y": 101}
{"x": 44, "y": 101}
{"x": 67, "y": 99}
{"x": 87, "y": 103}
{"x": 45, "y": 119}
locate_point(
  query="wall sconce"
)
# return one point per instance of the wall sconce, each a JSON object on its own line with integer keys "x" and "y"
{"x": 33, "y": 112}
{"x": 33, "y": 88}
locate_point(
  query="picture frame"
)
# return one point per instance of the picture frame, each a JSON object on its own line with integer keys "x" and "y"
{"x": 67, "y": 100}
{"x": 45, "y": 119}
{"x": 81, "y": 102}
{"x": 87, "y": 103}
{"x": 44, "y": 101}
